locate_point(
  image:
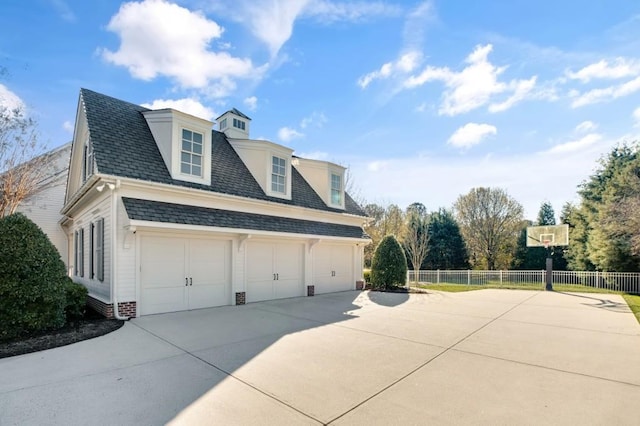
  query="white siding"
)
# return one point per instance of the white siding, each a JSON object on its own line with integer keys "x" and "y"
{"x": 126, "y": 264}
{"x": 44, "y": 210}
{"x": 99, "y": 289}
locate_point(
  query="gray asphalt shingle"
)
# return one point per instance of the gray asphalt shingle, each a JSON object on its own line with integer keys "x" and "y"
{"x": 123, "y": 146}
{"x": 155, "y": 211}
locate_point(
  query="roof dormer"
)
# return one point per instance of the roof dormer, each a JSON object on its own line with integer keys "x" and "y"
{"x": 326, "y": 179}
{"x": 269, "y": 163}
{"x": 184, "y": 142}
{"x": 234, "y": 124}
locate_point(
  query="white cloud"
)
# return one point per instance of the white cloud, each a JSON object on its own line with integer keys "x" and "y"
{"x": 636, "y": 116}
{"x": 586, "y": 126}
{"x": 287, "y": 134}
{"x": 188, "y": 105}
{"x": 68, "y": 126}
{"x": 376, "y": 166}
{"x": 521, "y": 90}
{"x": 607, "y": 94}
{"x": 474, "y": 86}
{"x": 315, "y": 155}
{"x": 602, "y": 69}
{"x": 161, "y": 38}
{"x": 251, "y": 103}
{"x": 530, "y": 178}
{"x": 10, "y": 104}
{"x": 353, "y": 11}
{"x": 64, "y": 10}
{"x": 471, "y": 134}
{"x": 403, "y": 65}
{"x": 317, "y": 119}
{"x": 577, "y": 145}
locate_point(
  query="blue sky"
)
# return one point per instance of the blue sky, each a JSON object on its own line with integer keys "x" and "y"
{"x": 422, "y": 100}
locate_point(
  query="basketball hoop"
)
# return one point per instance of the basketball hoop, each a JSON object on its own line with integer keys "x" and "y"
{"x": 546, "y": 243}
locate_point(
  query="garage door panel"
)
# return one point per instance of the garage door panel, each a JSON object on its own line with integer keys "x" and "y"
{"x": 162, "y": 275}
{"x": 333, "y": 268}
{"x": 209, "y": 273}
{"x": 274, "y": 270}
{"x": 166, "y": 262}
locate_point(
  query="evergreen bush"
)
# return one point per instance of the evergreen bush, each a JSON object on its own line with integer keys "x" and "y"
{"x": 389, "y": 265}
{"x": 32, "y": 279}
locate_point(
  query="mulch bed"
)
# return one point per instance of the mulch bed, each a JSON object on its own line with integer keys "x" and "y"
{"x": 92, "y": 325}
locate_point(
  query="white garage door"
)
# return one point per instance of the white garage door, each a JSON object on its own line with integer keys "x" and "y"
{"x": 332, "y": 268}
{"x": 183, "y": 273}
{"x": 274, "y": 270}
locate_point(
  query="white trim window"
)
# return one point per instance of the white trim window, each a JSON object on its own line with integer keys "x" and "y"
{"x": 336, "y": 189}
{"x": 87, "y": 160}
{"x": 239, "y": 124}
{"x": 223, "y": 124}
{"x": 191, "y": 153}
{"x": 278, "y": 175}
{"x": 96, "y": 250}
{"x": 79, "y": 252}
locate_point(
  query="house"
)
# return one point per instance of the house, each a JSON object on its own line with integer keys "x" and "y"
{"x": 163, "y": 213}
{"x": 44, "y": 205}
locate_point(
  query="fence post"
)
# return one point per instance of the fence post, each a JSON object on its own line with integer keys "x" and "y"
{"x": 468, "y": 276}
{"x": 500, "y": 276}
{"x": 438, "y": 276}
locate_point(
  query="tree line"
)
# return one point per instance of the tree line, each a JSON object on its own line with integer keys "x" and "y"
{"x": 485, "y": 228}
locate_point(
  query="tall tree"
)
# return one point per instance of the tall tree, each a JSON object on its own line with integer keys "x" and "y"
{"x": 384, "y": 220}
{"x": 447, "y": 249}
{"x": 599, "y": 235}
{"x": 416, "y": 238}
{"x": 22, "y": 165}
{"x": 490, "y": 221}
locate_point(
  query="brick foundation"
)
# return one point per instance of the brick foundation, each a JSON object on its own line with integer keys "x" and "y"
{"x": 241, "y": 298}
{"x": 311, "y": 290}
{"x": 125, "y": 309}
{"x": 359, "y": 285}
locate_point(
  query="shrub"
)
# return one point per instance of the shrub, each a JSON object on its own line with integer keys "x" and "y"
{"x": 389, "y": 264}
{"x": 366, "y": 274}
{"x": 32, "y": 277}
{"x": 76, "y": 300}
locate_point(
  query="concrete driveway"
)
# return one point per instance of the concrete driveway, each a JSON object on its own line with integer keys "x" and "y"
{"x": 482, "y": 357}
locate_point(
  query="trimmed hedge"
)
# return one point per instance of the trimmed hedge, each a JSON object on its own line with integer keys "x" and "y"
{"x": 389, "y": 265}
{"x": 76, "y": 301}
{"x": 32, "y": 279}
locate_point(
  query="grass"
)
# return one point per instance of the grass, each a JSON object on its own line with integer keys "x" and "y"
{"x": 634, "y": 303}
{"x": 632, "y": 300}
{"x": 452, "y": 287}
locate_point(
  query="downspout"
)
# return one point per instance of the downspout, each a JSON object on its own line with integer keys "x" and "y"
{"x": 114, "y": 254}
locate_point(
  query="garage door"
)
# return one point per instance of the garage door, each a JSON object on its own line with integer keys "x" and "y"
{"x": 274, "y": 270}
{"x": 182, "y": 273}
{"x": 332, "y": 268}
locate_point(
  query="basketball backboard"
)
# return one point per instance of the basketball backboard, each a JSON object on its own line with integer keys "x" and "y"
{"x": 548, "y": 236}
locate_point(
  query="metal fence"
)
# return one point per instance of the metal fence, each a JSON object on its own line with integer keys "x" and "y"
{"x": 628, "y": 282}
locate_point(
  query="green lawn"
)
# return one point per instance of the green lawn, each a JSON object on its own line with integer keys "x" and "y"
{"x": 634, "y": 303}
{"x": 452, "y": 287}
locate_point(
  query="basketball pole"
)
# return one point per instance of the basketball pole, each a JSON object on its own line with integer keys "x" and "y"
{"x": 549, "y": 272}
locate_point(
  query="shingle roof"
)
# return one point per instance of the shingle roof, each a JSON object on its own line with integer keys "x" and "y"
{"x": 155, "y": 211}
{"x": 123, "y": 146}
{"x": 236, "y": 112}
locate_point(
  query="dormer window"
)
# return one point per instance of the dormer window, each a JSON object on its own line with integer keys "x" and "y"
{"x": 87, "y": 161}
{"x": 278, "y": 175}
{"x": 223, "y": 124}
{"x": 238, "y": 124}
{"x": 336, "y": 189}
{"x": 191, "y": 154}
